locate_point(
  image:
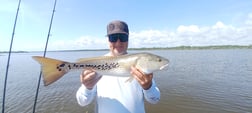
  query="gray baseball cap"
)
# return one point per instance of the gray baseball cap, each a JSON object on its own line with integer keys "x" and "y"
{"x": 117, "y": 26}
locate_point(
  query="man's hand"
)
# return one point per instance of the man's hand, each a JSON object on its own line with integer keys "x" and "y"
{"x": 89, "y": 78}
{"x": 145, "y": 80}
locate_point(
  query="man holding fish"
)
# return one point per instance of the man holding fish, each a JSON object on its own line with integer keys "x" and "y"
{"x": 115, "y": 94}
{"x": 118, "y": 81}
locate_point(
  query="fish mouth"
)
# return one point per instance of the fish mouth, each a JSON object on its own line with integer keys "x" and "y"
{"x": 164, "y": 67}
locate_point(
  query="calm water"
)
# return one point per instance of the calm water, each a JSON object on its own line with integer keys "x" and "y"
{"x": 198, "y": 81}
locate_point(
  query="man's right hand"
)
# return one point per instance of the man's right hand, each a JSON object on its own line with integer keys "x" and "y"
{"x": 89, "y": 78}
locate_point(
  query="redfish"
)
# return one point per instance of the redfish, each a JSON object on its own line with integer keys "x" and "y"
{"x": 53, "y": 69}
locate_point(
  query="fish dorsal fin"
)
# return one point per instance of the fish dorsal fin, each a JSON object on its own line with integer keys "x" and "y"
{"x": 94, "y": 59}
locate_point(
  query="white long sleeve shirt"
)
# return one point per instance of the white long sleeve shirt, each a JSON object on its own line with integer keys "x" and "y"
{"x": 115, "y": 95}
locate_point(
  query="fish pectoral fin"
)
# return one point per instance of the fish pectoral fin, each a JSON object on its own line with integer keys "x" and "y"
{"x": 130, "y": 79}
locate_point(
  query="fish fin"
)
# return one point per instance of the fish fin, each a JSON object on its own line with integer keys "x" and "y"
{"x": 49, "y": 69}
{"x": 130, "y": 79}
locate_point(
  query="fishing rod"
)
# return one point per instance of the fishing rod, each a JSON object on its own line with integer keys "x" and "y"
{"x": 45, "y": 50}
{"x": 9, "y": 55}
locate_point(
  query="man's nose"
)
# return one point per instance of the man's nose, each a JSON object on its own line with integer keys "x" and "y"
{"x": 118, "y": 41}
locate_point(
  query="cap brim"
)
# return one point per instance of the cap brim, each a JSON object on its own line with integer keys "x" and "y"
{"x": 117, "y": 33}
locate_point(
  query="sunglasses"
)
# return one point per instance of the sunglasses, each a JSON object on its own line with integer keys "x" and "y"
{"x": 115, "y": 37}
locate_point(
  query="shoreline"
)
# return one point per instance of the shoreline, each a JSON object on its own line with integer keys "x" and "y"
{"x": 154, "y": 48}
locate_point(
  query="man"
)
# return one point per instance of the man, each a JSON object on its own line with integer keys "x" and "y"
{"x": 113, "y": 94}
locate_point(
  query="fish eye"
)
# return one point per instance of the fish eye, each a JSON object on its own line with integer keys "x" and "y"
{"x": 159, "y": 60}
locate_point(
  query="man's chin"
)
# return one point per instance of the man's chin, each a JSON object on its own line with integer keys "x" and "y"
{"x": 118, "y": 53}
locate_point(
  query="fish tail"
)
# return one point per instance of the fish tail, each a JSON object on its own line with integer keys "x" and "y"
{"x": 50, "y": 70}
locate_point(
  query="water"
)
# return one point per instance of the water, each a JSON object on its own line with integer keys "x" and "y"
{"x": 197, "y": 81}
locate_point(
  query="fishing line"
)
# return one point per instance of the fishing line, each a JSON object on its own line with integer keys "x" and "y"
{"x": 9, "y": 55}
{"x": 45, "y": 50}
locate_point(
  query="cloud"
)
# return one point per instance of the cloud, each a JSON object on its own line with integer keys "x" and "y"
{"x": 191, "y": 35}
{"x": 218, "y": 34}
{"x": 150, "y": 38}
{"x": 84, "y": 42}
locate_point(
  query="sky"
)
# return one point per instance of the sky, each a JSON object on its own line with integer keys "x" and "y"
{"x": 81, "y": 24}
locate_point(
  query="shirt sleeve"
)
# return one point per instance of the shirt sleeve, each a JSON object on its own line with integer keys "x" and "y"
{"x": 152, "y": 95}
{"x": 85, "y": 96}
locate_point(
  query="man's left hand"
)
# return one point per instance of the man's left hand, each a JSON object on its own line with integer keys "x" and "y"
{"x": 145, "y": 80}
